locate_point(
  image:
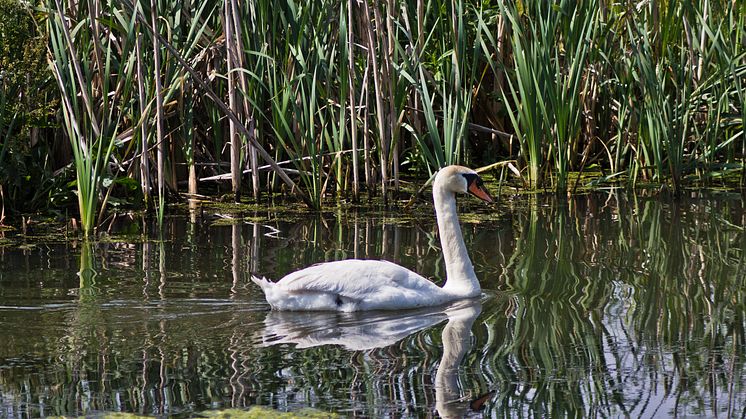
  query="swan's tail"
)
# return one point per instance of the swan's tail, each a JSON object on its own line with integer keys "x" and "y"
{"x": 263, "y": 282}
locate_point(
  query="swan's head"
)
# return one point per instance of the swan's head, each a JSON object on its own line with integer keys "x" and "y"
{"x": 460, "y": 179}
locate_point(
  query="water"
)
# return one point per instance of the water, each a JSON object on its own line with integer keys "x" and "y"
{"x": 600, "y": 305}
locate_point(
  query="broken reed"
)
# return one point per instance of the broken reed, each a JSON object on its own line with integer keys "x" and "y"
{"x": 337, "y": 95}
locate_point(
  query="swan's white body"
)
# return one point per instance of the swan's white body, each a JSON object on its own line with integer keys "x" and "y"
{"x": 353, "y": 284}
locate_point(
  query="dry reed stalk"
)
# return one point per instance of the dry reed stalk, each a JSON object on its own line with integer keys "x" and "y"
{"x": 192, "y": 182}
{"x": 702, "y": 39}
{"x": 365, "y": 94}
{"x": 388, "y": 76}
{"x": 235, "y": 148}
{"x": 2, "y": 205}
{"x": 248, "y": 112}
{"x": 353, "y": 108}
{"x": 377, "y": 83}
{"x": 144, "y": 152}
{"x": 499, "y": 74}
{"x": 159, "y": 117}
{"x": 415, "y": 100}
{"x": 223, "y": 108}
{"x": 96, "y": 39}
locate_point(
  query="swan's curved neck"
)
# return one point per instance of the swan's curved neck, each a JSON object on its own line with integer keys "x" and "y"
{"x": 460, "y": 276}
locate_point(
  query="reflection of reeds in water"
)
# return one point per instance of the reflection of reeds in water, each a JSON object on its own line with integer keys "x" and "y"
{"x": 599, "y": 299}
{"x": 547, "y": 336}
{"x": 604, "y": 306}
{"x": 688, "y": 300}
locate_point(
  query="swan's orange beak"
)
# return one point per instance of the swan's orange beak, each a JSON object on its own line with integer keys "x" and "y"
{"x": 476, "y": 188}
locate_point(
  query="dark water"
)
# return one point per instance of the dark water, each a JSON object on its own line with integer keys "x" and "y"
{"x": 601, "y": 305}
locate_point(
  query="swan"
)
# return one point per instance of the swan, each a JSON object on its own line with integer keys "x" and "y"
{"x": 357, "y": 285}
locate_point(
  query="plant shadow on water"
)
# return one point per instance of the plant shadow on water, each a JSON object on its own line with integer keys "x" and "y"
{"x": 596, "y": 305}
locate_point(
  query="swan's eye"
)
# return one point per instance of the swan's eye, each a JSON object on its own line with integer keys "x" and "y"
{"x": 471, "y": 178}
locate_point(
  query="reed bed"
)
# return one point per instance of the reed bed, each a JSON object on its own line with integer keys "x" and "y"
{"x": 336, "y": 98}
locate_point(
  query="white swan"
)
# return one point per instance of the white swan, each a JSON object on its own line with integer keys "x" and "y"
{"x": 353, "y": 284}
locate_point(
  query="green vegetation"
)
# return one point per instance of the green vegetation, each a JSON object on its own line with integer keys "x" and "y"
{"x": 331, "y": 98}
{"x": 30, "y": 150}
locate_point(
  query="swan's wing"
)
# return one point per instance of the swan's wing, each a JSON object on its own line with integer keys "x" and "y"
{"x": 356, "y": 279}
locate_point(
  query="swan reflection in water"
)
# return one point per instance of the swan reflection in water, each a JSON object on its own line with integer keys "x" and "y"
{"x": 378, "y": 329}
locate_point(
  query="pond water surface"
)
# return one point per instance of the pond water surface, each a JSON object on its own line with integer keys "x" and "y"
{"x": 598, "y": 305}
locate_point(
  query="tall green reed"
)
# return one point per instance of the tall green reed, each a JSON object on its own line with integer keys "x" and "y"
{"x": 544, "y": 96}
{"x": 570, "y": 74}
{"x": 445, "y": 78}
{"x": 664, "y": 104}
{"x": 94, "y": 82}
{"x": 526, "y": 96}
